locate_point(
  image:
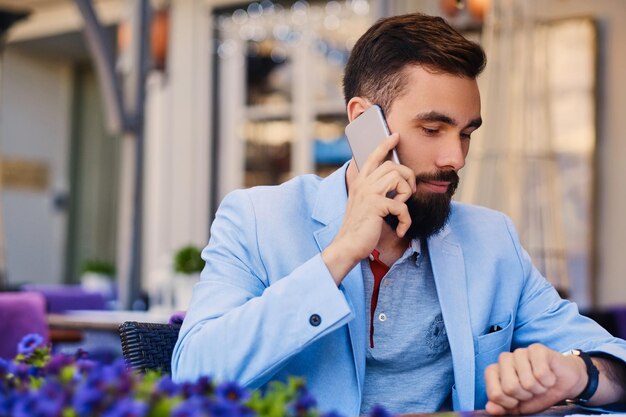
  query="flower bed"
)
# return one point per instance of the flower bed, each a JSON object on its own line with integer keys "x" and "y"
{"x": 37, "y": 383}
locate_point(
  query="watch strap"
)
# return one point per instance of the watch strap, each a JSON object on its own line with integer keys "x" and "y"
{"x": 592, "y": 381}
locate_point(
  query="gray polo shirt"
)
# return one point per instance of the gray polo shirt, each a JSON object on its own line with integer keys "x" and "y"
{"x": 409, "y": 369}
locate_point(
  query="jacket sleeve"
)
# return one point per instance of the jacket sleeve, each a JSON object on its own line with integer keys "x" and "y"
{"x": 544, "y": 317}
{"x": 238, "y": 326}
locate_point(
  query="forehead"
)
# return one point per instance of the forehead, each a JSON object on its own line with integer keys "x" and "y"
{"x": 427, "y": 90}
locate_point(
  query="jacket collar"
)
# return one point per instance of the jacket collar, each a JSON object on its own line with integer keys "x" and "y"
{"x": 332, "y": 197}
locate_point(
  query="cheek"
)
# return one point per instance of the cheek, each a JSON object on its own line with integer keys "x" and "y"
{"x": 466, "y": 146}
{"x": 418, "y": 156}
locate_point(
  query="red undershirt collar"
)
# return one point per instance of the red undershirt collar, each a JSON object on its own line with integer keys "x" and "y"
{"x": 379, "y": 270}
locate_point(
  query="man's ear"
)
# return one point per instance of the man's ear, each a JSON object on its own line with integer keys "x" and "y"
{"x": 356, "y": 106}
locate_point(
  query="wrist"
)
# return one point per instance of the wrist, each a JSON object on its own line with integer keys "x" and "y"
{"x": 588, "y": 383}
{"x": 338, "y": 261}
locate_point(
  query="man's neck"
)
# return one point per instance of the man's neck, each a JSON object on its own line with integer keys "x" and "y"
{"x": 390, "y": 246}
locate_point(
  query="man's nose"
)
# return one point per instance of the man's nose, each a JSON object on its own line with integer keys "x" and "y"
{"x": 452, "y": 154}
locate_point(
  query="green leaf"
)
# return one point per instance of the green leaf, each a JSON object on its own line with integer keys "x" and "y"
{"x": 164, "y": 406}
{"x": 69, "y": 412}
{"x": 67, "y": 374}
{"x": 36, "y": 382}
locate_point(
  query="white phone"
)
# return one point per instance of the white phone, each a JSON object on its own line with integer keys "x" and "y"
{"x": 366, "y": 132}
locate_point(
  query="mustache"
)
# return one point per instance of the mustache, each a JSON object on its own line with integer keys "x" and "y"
{"x": 448, "y": 176}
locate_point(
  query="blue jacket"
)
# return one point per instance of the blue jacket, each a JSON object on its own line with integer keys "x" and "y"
{"x": 249, "y": 318}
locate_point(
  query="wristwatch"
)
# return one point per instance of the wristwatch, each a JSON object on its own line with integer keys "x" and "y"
{"x": 592, "y": 383}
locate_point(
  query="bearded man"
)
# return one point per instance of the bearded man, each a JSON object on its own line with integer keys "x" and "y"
{"x": 375, "y": 287}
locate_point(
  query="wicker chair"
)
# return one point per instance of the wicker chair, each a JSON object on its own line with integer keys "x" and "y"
{"x": 148, "y": 346}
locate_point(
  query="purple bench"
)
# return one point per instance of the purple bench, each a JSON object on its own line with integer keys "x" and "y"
{"x": 21, "y": 313}
{"x": 60, "y": 298}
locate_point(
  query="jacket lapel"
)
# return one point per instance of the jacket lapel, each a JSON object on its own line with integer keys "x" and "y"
{"x": 449, "y": 272}
{"x": 329, "y": 211}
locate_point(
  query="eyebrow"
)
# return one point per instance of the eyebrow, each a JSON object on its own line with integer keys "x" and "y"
{"x": 435, "y": 116}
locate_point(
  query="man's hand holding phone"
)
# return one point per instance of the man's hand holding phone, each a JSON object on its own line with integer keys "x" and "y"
{"x": 368, "y": 205}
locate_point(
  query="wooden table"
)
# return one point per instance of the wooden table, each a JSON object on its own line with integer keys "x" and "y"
{"x": 101, "y": 320}
{"x": 75, "y": 326}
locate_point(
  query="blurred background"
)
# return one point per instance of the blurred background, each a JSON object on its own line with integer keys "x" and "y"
{"x": 123, "y": 123}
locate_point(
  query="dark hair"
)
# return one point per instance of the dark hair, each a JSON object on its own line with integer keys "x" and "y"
{"x": 376, "y": 64}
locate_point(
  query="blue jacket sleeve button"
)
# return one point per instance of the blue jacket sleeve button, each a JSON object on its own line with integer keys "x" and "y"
{"x": 315, "y": 320}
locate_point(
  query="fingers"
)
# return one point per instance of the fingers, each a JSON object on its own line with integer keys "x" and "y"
{"x": 401, "y": 211}
{"x": 542, "y": 377}
{"x": 495, "y": 390}
{"x": 391, "y": 176}
{"x": 378, "y": 156}
{"x": 393, "y": 180}
{"x": 524, "y": 381}
{"x": 497, "y": 410}
{"x": 512, "y": 365}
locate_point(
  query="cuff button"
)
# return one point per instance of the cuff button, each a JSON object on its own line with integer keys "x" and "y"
{"x": 315, "y": 320}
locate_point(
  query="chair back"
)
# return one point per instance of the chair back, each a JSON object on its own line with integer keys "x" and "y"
{"x": 21, "y": 313}
{"x": 148, "y": 346}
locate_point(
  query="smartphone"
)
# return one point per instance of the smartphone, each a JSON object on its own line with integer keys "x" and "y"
{"x": 366, "y": 132}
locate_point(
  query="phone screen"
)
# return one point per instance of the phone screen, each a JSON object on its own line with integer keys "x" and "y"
{"x": 366, "y": 132}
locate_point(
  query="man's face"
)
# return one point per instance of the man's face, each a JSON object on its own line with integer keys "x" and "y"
{"x": 435, "y": 116}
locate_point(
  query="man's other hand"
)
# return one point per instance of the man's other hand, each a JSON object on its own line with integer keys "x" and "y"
{"x": 530, "y": 380}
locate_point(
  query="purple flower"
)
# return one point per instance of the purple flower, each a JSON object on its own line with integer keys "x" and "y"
{"x": 114, "y": 377}
{"x": 203, "y": 387}
{"x": 5, "y": 367}
{"x": 127, "y": 407}
{"x": 29, "y": 343}
{"x": 57, "y": 362}
{"x": 231, "y": 392}
{"x": 86, "y": 365}
{"x": 39, "y": 385}
{"x": 7, "y": 399}
{"x": 87, "y": 398}
{"x": 191, "y": 407}
{"x": 21, "y": 371}
{"x": 332, "y": 413}
{"x": 379, "y": 411}
{"x": 166, "y": 386}
{"x": 305, "y": 403}
{"x": 50, "y": 400}
{"x": 81, "y": 354}
{"x": 177, "y": 317}
{"x": 229, "y": 409}
{"x": 24, "y": 405}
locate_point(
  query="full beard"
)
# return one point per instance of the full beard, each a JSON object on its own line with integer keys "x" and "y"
{"x": 430, "y": 211}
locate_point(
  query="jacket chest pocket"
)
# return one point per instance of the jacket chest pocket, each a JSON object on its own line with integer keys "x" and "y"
{"x": 497, "y": 338}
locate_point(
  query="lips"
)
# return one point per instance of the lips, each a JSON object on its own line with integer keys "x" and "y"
{"x": 436, "y": 186}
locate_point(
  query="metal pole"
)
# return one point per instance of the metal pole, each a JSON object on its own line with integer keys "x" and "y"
{"x": 140, "y": 67}
{"x": 104, "y": 58}
{"x": 125, "y": 111}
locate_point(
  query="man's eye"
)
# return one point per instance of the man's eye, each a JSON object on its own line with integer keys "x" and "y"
{"x": 430, "y": 131}
{"x": 466, "y": 136}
